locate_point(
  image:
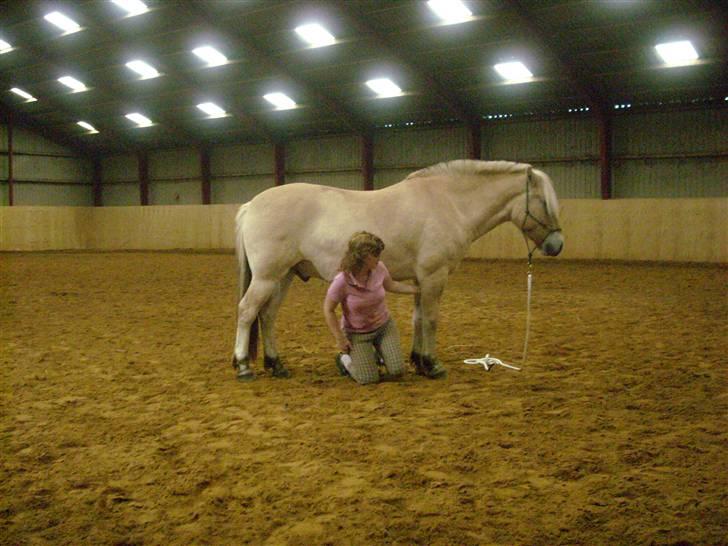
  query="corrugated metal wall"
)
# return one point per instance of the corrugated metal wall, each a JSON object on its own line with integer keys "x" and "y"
{"x": 671, "y": 154}
{"x": 240, "y": 172}
{"x": 566, "y": 149}
{"x": 120, "y": 181}
{"x": 398, "y": 152}
{"x": 332, "y": 161}
{"x": 45, "y": 173}
{"x": 175, "y": 177}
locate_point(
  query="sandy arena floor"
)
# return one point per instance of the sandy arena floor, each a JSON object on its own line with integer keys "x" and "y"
{"x": 121, "y": 421}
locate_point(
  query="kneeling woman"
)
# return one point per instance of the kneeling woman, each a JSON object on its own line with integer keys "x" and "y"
{"x": 367, "y": 332}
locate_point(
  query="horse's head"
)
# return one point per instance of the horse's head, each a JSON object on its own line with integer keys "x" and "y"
{"x": 536, "y": 213}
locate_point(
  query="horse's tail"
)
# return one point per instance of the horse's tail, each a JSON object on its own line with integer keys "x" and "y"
{"x": 244, "y": 277}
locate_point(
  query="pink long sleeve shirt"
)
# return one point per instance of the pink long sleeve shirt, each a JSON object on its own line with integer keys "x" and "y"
{"x": 363, "y": 306}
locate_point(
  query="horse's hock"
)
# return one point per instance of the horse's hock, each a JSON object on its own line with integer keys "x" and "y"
{"x": 123, "y": 422}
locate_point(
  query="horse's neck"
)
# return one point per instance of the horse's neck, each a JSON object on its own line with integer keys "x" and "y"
{"x": 485, "y": 204}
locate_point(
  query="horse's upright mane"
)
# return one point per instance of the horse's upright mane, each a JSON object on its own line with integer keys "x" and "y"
{"x": 469, "y": 166}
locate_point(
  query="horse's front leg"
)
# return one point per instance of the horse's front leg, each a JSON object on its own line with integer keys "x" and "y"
{"x": 427, "y": 307}
{"x": 268, "y": 313}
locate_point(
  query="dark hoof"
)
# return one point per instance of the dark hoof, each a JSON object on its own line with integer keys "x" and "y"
{"x": 428, "y": 366}
{"x": 276, "y": 367}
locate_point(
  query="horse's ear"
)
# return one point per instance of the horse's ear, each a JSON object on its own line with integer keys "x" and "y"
{"x": 530, "y": 179}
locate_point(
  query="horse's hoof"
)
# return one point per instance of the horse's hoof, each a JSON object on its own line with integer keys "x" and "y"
{"x": 245, "y": 376}
{"x": 437, "y": 372}
{"x": 428, "y": 366}
{"x": 276, "y": 367}
{"x": 242, "y": 370}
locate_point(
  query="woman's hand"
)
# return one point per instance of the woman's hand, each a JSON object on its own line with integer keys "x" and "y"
{"x": 391, "y": 285}
{"x": 343, "y": 344}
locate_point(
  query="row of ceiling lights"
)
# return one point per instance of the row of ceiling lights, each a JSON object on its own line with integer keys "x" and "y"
{"x": 450, "y": 11}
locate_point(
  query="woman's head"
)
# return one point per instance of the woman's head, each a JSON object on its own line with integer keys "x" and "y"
{"x": 361, "y": 245}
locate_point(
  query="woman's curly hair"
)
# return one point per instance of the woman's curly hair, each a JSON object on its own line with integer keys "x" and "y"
{"x": 361, "y": 245}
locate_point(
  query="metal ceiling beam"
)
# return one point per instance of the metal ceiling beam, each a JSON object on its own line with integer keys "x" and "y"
{"x": 233, "y": 34}
{"x": 351, "y": 14}
{"x": 21, "y": 119}
{"x": 577, "y": 76}
{"x": 54, "y": 61}
{"x": 166, "y": 121}
{"x": 257, "y": 124}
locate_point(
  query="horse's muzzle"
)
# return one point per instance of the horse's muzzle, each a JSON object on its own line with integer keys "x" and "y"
{"x": 553, "y": 244}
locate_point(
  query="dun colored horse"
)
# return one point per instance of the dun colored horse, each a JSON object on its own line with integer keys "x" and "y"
{"x": 427, "y": 222}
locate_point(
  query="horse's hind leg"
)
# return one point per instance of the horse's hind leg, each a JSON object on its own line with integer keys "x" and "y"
{"x": 267, "y": 324}
{"x": 249, "y": 307}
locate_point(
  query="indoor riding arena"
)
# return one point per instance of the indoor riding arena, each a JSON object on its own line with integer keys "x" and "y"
{"x": 121, "y": 418}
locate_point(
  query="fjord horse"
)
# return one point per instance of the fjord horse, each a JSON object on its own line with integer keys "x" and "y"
{"x": 427, "y": 222}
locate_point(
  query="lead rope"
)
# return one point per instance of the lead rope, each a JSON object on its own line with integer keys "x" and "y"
{"x": 529, "y": 284}
{"x": 488, "y": 361}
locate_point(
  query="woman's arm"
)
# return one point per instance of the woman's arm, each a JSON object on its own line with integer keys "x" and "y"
{"x": 333, "y": 323}
{"x": 391, "y": 285}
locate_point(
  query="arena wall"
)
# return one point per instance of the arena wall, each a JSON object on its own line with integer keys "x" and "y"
{"x": 668, "y": 230}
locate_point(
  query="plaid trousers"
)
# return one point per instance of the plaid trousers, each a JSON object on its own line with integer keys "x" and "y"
{"x": 364, "y": 368}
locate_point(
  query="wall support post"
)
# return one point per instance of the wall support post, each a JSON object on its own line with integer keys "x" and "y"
{"x": 97, "y": 178}
{"x": 205, "y": 172}
{"x": 605, "y": 154}
{"x": 367, "y": 161}
{"x": 279, "y": 152}
{"x": 474, "y": 140}
{"x": 143, "y": 168}
{"x": 11, "y": 181}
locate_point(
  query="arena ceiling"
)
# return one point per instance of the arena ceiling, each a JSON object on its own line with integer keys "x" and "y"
{"x": 586, "y": 57}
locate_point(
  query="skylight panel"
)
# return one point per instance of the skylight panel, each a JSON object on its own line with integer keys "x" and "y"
{"x": 132, "y": 7}
{"x": 140, "y": 120}
{"x": 315, "y": 35}
{"x": 73, "y": 83}
{"x": 212, "y": 109}
{"x": 90, "y": 128}
{"x": 27, "y": 96}
{"x": 66, "y": 24}
{"x": 514, "y": 72}
{"x": 280, "y": 101}
{"x": 145, "y": 70}
{"x": 384, "y": 87}
{"x": 210, "y": 55}
{"x": 677, "y": 53}
{"x": 5, "y": 47}
{"x": 450, "y": 11}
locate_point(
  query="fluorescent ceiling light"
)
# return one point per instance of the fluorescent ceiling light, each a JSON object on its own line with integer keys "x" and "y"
{"x": 316, "y": 35}
{"x": 384, "y": 87}
{"x": 450, "y": 11}
{"x": 62, "y": 22}
{"x": 212, "y": 109}
{"x": 280, "y": 101}
{"x": 143, "y": 69}
{"x": 677, "y": 53}
{"x": 5, "y": 47}
{"x": 27, "y": 96}
{"x": 90, "y": 128}
{"x": 514, "y": 72}
{"x": 132, "y": 7}
{"x": 73, "y": 83}
{"x": 210, "y": 55}
{"x": 141, "y": 121}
